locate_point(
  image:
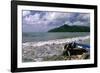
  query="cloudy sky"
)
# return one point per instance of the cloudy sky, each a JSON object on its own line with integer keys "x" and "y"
{"x": 42, "y": 21}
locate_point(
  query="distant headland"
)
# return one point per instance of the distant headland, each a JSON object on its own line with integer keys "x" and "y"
{"x": 67, "y": 28}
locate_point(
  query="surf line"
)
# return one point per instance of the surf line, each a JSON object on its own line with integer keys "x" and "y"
{"x": 57, "y": 41}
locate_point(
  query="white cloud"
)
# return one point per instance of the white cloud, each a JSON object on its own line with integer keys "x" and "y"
{"x": 84, "y": 16}
{"x": 26, "y": 13}
{"x": 31, "y": 19}
{"x": 80, "y": 23}
{"x": 49, "y": 16}
{"x": 68, "y": 23}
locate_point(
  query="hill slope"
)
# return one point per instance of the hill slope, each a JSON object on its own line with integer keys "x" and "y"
{"x": 67, "y": 28}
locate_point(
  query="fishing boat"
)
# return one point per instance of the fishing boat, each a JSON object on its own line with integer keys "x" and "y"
{"x": 79, "y": 50}
{"x": 83, "y": 46}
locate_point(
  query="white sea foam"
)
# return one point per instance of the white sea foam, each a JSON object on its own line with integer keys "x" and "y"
{"x": 57, "y": 41}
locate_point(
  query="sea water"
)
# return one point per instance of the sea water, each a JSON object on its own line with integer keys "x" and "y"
{"x": 46, "y": 36}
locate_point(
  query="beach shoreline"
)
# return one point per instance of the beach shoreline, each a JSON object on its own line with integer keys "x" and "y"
{"x": 42, "y": 51}
{"x": 56, "y": 41}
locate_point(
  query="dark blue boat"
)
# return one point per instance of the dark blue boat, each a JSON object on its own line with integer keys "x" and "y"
{"x": 83, "y": 45}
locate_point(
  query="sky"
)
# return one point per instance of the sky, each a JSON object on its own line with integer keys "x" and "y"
{"x": 42, "y": 21}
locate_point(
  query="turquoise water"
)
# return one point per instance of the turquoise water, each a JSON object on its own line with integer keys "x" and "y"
{"x": 44, "y": 36}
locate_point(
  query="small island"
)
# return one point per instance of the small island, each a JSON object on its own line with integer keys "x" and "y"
{"x": 67, "y": 28}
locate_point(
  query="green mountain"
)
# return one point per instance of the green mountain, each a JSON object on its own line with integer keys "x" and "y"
{"x": 67, "y": 28}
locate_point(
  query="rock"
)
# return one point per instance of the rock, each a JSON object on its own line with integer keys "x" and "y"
{"x": 85, "y": 56}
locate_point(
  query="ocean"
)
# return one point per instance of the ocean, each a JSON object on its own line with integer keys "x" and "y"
{"x": 49, "y": 46}
{"x": 45, "y": 36}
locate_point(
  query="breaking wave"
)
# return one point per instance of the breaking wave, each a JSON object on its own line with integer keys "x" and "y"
{"x": 57, "y": 41}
